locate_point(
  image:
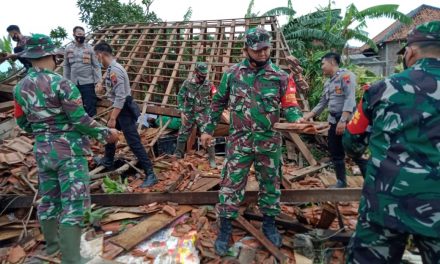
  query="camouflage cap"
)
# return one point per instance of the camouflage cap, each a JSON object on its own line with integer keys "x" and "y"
{"x": 38, "y": 46}
{"x": 202, "y": 68}
{"x": 257, "y": 38}
{"x": 429, "y": 31}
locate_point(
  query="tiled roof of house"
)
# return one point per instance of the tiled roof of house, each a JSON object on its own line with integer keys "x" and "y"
{"x": 398, "y": 31}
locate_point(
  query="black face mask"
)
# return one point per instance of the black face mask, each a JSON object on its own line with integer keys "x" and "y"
{"x": 80, "y": 39}
{"x": 15, "y": 38}
{"x": 259, "y": 64}
{"x": 201, "y": 78}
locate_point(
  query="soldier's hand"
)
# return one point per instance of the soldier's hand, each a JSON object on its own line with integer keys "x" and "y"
{"x": 340, "y": 128}
{"x": 111, "y": 123}
{"x": 206, "y": 140}
{"x": 113, "y": 137}
{"x": 306, "y": 117}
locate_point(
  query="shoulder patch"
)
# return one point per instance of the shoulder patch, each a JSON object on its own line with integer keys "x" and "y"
{"x": 114, "y": 78}
{"x": 346, "y": 78}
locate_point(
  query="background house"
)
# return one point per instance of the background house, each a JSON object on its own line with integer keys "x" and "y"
{"x": 390, "y": 40}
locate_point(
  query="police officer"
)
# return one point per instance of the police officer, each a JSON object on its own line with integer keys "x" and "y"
{"x": 399, "y": 120}
{"x": 81, "y": 67}
{"x": 125, "y": 113}
{"x": 339, "y": 95}
{"x": 15, "y": 34}
{"x": 253, "y": 89}
{"x": 50, "y": 107}
{"x": 194, "y": 105}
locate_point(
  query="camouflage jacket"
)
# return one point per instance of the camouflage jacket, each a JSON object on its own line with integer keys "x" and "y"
{"x": 194, "y": 97}
{"x": 254, "y": 99}
{"x": 399, "y": 120}
{"x": 50, "y": 107}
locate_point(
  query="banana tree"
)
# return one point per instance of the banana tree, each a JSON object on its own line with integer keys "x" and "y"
{"x": 347, "y": 31}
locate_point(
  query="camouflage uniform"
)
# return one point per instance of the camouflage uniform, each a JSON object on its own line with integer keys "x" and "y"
{"x": 398, "y": 119}
{"x": 253, "y": 97}
{"x": 194, "y": 101}
{"x": 50, "y": 107}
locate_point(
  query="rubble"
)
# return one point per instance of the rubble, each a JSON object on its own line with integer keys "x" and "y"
{"x": 123, "y": 230}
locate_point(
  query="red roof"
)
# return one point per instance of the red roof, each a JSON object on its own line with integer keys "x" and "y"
{"x": 398, "y": 31}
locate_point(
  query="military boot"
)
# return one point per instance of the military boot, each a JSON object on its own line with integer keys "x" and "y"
{"x": 222, "y": 242}
{"x": 340, "y": 174}
{"x": 150, "y": 178}
{"x": 270, "y": 230}
{"x": 180, "y": 150}
{"x": 70, "y": 241}
{"x": 211, "y": 157}
{"x": 50, "y": 232}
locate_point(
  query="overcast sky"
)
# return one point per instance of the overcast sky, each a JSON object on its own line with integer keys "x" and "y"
{"x": 40, "y": 16}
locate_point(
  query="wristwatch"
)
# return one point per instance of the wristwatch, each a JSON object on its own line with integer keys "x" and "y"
{"x": 343, "y": 119}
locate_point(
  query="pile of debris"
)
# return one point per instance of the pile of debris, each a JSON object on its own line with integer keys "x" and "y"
{"x": 185, "y": 234}
{"x": 18, "y": 172}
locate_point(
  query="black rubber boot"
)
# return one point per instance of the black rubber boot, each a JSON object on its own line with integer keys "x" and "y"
{"x": 150, "y": 178}
{"x": 270, "y": 230}
{"x": 222, "y": 243}
{"x": 180, "y": 149}
{"x": 340, "y": 174}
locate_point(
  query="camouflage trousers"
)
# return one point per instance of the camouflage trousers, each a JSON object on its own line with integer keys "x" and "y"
{"x": 64, "y": 188}
{"x": 196, "y": 118}
{"x": 372, "y": 243}
{"x": 239, "y": 159}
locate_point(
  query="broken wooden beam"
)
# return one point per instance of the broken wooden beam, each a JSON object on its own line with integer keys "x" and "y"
{"x": 300, "y": 174}
{"x": 197, "y": 198}
{"x": 262, "y": 239}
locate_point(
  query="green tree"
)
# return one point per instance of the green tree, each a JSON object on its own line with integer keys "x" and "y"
{"x": 249, "y": 11}
{"x": 58, "y": 35}
{"x": 188, "y": 15}
{"x": 97, "y": 13}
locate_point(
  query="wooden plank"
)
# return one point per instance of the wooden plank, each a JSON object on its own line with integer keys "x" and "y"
{"x": 133, "y": 236}
{"x": 176, "y": 66}
{"x": 302, "y": 173}
{"x": 213, "y": 48}
{"x": 6, "y": 106}
{"x": 262, "y": 239}
{"x": 303, "y": 148}
{"x": 199, "y": 198}
{"x": 140, "y": 73}
{"x": 355, "y": 181}
{"x": 208, "y": 186}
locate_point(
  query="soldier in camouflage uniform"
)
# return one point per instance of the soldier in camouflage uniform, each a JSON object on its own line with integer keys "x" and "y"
{"x": 399, "y": 120}
{"x": 253, "y": 90}
{"x": 339, "y": 95}
{"x": 50, "y": 107}
{"x": 194, "y": 104}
